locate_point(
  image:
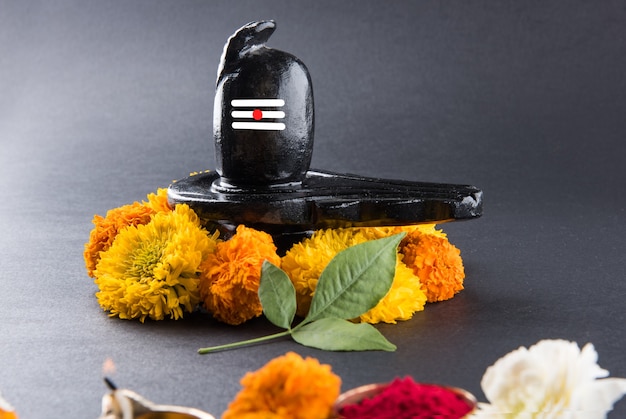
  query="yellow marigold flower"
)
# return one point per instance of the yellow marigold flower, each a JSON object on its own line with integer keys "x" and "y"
{"x": 106, "y": 228}
{"x": 286, "y": 387}
{"x": 380, "y": 232}
{"x": 306, "y": 260}
{"x": 151, "y": 270}
{"x": 230, "y": 278}
{"x": 404, "y": 298}
{"x": 436, "y": 262}
{"x": 158, "y": 201}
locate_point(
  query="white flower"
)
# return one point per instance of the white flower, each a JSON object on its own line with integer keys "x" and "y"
{"x": 551, "y": 379}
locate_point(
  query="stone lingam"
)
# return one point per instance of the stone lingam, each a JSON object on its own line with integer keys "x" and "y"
{"x": 263, "y": 126}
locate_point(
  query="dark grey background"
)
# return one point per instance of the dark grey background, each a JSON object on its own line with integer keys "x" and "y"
{"x": 101, "y": 102}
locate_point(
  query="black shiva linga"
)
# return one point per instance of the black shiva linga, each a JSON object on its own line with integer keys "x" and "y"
{"x": 263, "y": 127}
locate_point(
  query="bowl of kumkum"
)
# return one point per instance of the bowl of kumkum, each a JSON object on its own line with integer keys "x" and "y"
{"x": 403, "y": 398}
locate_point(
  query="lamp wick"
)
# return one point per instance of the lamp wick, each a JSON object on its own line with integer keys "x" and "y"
{"x": 110, "y": 384}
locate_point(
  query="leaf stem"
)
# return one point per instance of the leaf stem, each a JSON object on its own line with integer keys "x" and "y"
{"x": 211, "y": 349}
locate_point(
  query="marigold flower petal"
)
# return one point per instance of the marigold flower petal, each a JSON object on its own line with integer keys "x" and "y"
{"x": 230, "y": 278}
{"x": 158, "y": 201}
{"x": 151, "y": 270}
{"x": 405, "y": 297}
{"x": 436, "y": 262}
{"x": 106, "y": 228}
{"x": 373, "y": 233}
{"x": 286, "y": 387}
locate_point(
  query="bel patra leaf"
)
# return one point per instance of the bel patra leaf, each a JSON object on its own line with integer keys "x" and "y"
{"x": 332, "y": 334}
{"x": 277, "y": 296}
{"x": 355, "y": 280}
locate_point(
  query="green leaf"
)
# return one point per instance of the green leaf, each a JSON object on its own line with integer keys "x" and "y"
{"x": 277, "y": 295}
{"x": 333, "y": 334}
{"x": 355, "y": 280}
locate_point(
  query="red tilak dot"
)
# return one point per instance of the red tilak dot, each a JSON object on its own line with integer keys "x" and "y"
{"x": 257, "y": 114}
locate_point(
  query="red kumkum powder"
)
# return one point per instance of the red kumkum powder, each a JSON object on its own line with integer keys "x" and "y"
{"x": 406, "y": 399}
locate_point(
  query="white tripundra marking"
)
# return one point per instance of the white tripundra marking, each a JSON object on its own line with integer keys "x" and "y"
{"x": 259, "y": 114}
{"x": 255, "y": 103}
{"x": 264, "y": 114}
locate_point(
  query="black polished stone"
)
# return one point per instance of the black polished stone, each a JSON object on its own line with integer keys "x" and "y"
{"x": 263, "y": 128}
{"x": 249, "y": 70}
{"x": 327, "y": 200}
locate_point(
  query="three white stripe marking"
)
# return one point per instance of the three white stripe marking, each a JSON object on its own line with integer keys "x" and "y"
{"x": 250, "y": 114}
{"x": 266, "y": 114}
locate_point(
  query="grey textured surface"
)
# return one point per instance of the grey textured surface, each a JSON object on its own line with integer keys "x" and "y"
{"x": 102, "y": 102}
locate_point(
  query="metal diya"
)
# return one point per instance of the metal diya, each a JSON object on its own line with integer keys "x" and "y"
{"x": 126, "y": 404}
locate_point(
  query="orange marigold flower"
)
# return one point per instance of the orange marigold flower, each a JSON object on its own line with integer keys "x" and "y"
{"x": 229, "y": 279}
{"x": 286, "y": 387}
{"x": 106, "y": 229}
{"x": 436, "y": 262}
